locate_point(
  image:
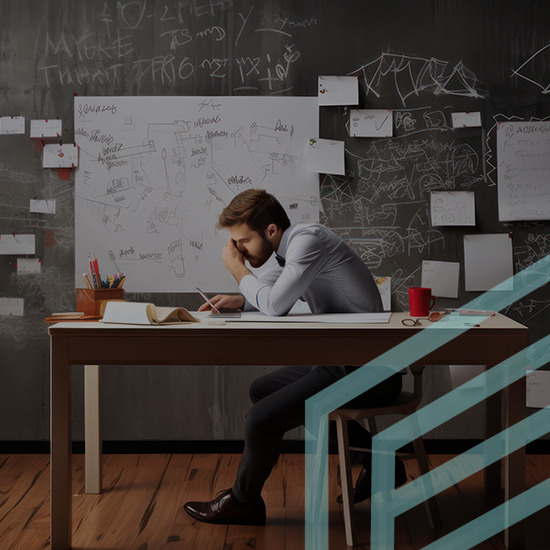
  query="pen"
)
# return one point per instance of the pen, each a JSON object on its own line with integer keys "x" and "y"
{"x": 87, "y": 281}
{"x": 476, "y": 312}
{"x": 207, "y": 300}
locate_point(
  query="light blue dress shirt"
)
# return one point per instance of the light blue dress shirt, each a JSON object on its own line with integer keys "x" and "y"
{"x": 321, "y": 269}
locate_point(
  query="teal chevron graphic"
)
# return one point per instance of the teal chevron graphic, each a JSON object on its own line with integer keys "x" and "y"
{"x": 386, "y": 502}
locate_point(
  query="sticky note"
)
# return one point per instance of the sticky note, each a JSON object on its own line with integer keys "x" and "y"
{"x": 12, "y": 125}
{"x": 325, "y": 156}
{"x": 466, "y": 120}
{"x": 441, "y": 277}
{"x": 17, "y": 244}
{"x": 43, "y": 129}
{"x": 338, "y": 90}
{"x": 44, "y": 207}
{"x": 370, "y": 123}
{"x": 12, "y": 307}
{"x": 60, "y": 156}
{"x": 28, "y": 266}
{"x": 452, "y": 208}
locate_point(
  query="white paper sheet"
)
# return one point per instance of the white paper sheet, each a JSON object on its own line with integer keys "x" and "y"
{"x": 12, "y": 125}
{"x": 371, "y": 123}
{"x": 384, "y": 287}
{"x": 28, "y": 266}
{"x": 46, "y": 129}
{"x": 452, "y": 208}
{"x": 338, "y": 90}
{"x": 354, "y": 318}
{"x": 17, "y": 244}
{"x": 43, "y": 207}
{"x": 60, "y": 156}
{"x": 487, "y": 261}
{"x": 538, "y": 388}
{"x": 441, "y": 277}
{"x": 466, "y": 120}
{"x": 326, "y": 156}
{"x": 12, "y": 307}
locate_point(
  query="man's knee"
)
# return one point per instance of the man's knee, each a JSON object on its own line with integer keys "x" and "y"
{"x": 255, "y": 391}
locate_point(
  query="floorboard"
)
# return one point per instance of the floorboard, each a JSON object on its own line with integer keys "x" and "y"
{"x": 141, "y": 507}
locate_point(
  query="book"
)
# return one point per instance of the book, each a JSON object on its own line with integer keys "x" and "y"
{"x": 139, "y": 313}
{"x": 68, "y": 315}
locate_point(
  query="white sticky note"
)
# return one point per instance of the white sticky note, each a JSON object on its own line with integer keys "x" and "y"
{"x": 60, "y": 156}
{"x": 371, "y": 123}
{"x": 45, "y": 129}
{"x": 17, "y": 244}
{"x": 538, "y": 388}
{"x": 12, "y": 307}
{"x": 384, "y": 287}
{"x": 452, "y": 208}
{"x": 43, "y": 207}
{"x": 488, "y": 261}
{"x": 326, "y": 156}
{"x": 466, "y": 120}
{"x": 28, "y": 266}
{"x": 338, "y": 90}
{"x": 441, "y": 277}
{"x": 12, "y": 125}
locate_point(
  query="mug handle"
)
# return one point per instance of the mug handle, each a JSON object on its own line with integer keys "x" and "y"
{"x": 433, "y": 301}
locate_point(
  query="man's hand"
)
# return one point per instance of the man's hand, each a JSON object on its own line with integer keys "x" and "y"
{"x": 234, "y": 261}
{"x": 224, "y": 301}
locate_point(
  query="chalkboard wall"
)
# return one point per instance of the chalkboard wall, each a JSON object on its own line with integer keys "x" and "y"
{"x": 423, "y": 59}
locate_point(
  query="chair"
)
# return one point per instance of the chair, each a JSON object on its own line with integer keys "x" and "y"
{"x": 406, "y": 404}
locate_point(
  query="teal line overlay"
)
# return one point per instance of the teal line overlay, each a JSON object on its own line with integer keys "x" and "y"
{"x": 409, "y": 352}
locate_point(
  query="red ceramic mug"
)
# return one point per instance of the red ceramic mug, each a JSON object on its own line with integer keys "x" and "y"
{"x": 421, "y": 301}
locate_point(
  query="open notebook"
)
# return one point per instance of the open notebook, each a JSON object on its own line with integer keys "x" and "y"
{"x": 138, "y": 313}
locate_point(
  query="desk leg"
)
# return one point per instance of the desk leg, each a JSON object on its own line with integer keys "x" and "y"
{"x": 493, "y": 426}
{"x": 92, "y": 429}
{"x": 60, "y": 442}
{"x": 514, "y": 463}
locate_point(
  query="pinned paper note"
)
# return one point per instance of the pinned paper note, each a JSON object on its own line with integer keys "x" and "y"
{"x": 60, "y": 156}
{"x": 466, "y": 120}
{"x": 383, "y": 284}
{"x": 488, "y": 261}
{"x": 28, "y": 266}
{"x": 326, "y": 156}
{"x": 538, "y": 388}
{"x": 12, "y": 307}
{"x": 441, "y": 277}
{"x": 44, "y": 207}
{"x": 453, "y": 208}
{"x": 17, "y": 244}
{"x": 43, "y": 129}
{"x": 338, "y": 90}
{"x": 371, "y": 123}
{"x": 12, "y": 125}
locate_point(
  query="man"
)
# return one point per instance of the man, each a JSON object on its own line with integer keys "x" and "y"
{"x": 318, "y": 267}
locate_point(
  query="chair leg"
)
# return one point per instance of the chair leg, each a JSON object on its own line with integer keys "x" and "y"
{"x": 431, "y": 505}
{"x": 346, "y": 480}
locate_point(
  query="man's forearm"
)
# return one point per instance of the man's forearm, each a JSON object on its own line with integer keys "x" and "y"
{"x": 239, "y": 271}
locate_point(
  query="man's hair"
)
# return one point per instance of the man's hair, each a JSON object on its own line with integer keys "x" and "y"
{"x": 255, "y": 207}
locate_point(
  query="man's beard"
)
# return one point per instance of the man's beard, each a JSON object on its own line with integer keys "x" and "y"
{"x": 265, "y": 253}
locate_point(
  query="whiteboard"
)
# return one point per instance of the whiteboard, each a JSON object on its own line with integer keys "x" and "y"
{"x": 156, "y": 172}
{"x": 523, "y": 154}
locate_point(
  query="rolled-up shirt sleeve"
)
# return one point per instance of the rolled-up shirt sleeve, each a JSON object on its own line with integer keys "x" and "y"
{"x": 305, "y": 258}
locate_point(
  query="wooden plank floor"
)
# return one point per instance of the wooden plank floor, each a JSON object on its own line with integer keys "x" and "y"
{"x": 141, "y": 507}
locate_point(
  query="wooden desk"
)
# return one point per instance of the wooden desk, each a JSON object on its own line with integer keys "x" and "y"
{"x": 267, "y": 344}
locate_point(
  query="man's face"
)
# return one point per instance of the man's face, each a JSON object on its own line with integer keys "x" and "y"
{"x": 253, "y": 246}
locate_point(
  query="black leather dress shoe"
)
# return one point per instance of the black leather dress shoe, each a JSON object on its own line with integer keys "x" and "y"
{"x": 227, "y": 510}
{"x": 363, "y": 488}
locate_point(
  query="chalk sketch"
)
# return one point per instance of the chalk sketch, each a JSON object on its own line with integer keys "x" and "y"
{"x": 413, "y": 75}
{"x": 155, "y": 173}
{"x": 523, "y": 168}
{"x": 528, "y": 70}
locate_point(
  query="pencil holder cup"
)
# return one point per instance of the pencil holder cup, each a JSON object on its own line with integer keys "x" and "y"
{"x": 92, "y": 302}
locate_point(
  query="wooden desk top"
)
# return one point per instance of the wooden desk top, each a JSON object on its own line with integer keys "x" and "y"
{"x": 284, "y": 343}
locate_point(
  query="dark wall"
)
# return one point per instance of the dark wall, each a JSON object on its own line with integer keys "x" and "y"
{"x": 423, "y": 59}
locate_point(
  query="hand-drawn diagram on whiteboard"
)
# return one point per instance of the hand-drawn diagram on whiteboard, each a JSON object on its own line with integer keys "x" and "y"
{"x": 156, "y": 172}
